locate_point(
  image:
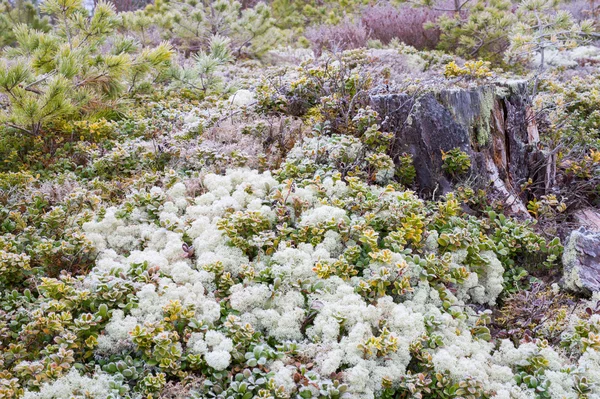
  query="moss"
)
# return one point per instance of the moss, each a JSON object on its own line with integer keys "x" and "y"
{"x": 514, "y": 86}
{"x": 571, "y": 277}
{"x": 472, "y": 109}
{"x": 502, "y": 92}
{"x": 488, "y": 98}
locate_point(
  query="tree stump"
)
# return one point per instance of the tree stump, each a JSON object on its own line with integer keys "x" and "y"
{"x": 492, "y": 123}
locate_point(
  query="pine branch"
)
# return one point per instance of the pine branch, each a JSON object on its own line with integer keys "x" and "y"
{"x": 19, "y": 128}
{"x": 40, "y": 80}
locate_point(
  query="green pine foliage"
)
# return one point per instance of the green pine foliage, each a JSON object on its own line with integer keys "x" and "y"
{"x": 298, "y": 14}
{"x": 13, "y": 13}
{"x": 203, "y": 78}
{"x": 73, "y": 70}
{"x": 482, "y": 32}
{"x": 540, "y": 27}
{"x": 193, "y": 23}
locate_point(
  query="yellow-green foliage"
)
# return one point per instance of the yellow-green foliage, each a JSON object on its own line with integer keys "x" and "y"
{"x": 472, "y": 70}
{"x": 456, "y": 162}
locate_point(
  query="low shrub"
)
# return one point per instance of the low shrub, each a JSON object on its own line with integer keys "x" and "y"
{"x": 344, "y": 36}
{"x": 130, "y": 5}
{"x": 405, "y": 23}
{"x": 456, "y": 162}
{"x": 382, "y": 23}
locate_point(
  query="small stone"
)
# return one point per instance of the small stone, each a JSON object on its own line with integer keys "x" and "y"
{"x": 581, "y": 262}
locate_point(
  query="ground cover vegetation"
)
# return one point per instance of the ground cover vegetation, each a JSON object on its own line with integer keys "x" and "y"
{"x": 199, "y": 200}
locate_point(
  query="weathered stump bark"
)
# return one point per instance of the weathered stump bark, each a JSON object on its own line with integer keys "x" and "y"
{"x": 492, "y": 123}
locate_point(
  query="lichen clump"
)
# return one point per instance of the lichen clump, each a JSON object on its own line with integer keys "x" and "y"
{"x": 360, "y": 289}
